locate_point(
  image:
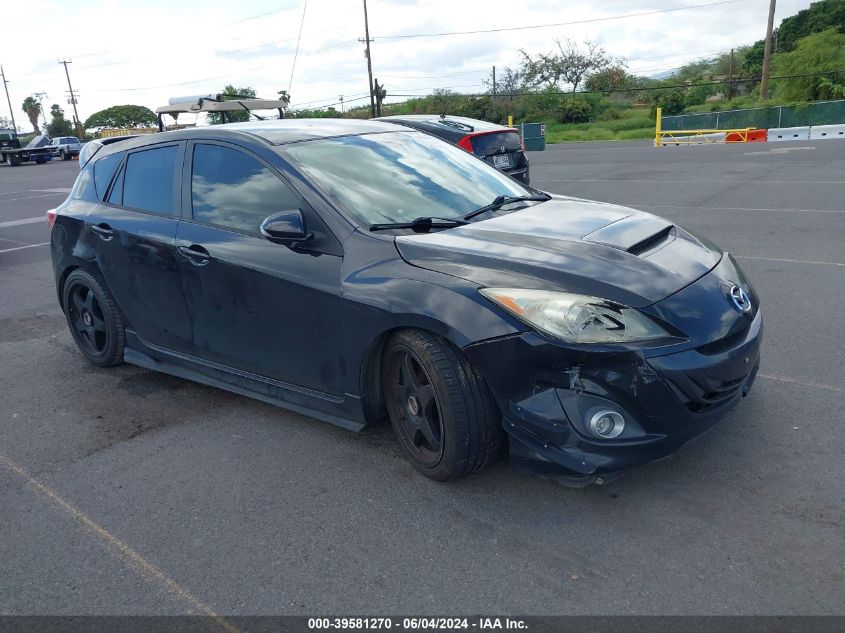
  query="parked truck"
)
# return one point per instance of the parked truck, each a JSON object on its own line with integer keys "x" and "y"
{"x": 65, "y": 147}
{"x": 37, "y": 151}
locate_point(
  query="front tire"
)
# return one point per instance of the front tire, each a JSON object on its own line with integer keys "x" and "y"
{"x": 94, "y": 320}
{"x": 441, "y": 410}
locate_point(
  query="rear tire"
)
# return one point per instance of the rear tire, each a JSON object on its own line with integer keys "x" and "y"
{"x": 94, "y": 320}
{"x": 441, "y": 410}
{"x": 65, "y": 156}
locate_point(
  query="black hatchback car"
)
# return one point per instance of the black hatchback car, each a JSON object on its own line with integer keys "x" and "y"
{"x": 355, "y": 271}
{"x": 498, "y": 145}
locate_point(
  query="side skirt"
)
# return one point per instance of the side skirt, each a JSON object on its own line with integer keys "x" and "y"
{"x": 193, "y": 371}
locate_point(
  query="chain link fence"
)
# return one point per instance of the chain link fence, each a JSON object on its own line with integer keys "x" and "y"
{"x": 819, "y": 113}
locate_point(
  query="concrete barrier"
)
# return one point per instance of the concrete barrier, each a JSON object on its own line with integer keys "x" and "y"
{"x": 789, "y": 134}
{"x": 827, "y": 131}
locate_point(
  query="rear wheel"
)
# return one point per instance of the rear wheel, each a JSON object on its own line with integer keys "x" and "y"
{"x": 65, "y": 155}
{"x": 93, "y": 318}
{"x": 441, "y": 411}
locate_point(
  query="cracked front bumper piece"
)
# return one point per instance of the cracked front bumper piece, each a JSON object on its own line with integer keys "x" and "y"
{"x": 549, "y": 393}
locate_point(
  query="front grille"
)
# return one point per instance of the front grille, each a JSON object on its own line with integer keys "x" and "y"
{"x": 700, "y": 393}
{"x": 724, "y": 344}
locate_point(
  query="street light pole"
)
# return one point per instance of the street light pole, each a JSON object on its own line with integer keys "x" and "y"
{"x": 767, "y": 53}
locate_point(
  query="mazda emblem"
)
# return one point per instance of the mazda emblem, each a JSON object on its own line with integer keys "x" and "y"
{"x": 740, "y": 299}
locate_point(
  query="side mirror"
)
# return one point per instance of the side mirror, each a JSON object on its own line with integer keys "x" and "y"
{"x": 285, "y": 226}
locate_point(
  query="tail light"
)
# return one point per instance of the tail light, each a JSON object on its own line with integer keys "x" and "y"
{"x": 521, "y": 143}
{"x": 51, "y": 217}
{"x": 466, "y": 144}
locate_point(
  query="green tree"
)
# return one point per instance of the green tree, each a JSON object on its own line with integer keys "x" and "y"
{"x": 816, "y": 53}
{"x": 570, "y": 64}
{"x": 230, "y": 93}
{"x": 33, "y": 110}
{"x": 572, "y": 110}
{"x": 58, "y": 125}
{"x": 121, "y": 117}
{"x": 820, "y": 16}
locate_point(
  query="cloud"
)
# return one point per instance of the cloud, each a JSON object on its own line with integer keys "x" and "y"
{"x": 197, "y": 46}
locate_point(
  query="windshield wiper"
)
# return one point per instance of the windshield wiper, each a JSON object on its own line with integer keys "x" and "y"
{"x": 501, "y": 201}
{"x": 420, "y": 225}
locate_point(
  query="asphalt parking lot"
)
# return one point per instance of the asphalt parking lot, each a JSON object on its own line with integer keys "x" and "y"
{"x": 124, "y": 491}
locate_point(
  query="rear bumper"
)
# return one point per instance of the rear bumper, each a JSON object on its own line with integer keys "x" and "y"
{"x": 548, "y": 393}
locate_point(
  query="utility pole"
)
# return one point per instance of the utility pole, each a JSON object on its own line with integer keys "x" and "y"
{"x": 11, "y": 112}
{"x": 767, "y": 53}
{"x": 341, "y": 104}
{"x": 731, "y": 77}
{"x": 369, "y": 60}
{"x": 76, "y": 123}
{"x": 494, "y": 81}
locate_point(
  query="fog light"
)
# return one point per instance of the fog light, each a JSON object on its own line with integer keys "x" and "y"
{"x": 607, "y": 424}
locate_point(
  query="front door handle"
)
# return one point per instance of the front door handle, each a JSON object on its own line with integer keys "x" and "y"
{"x": 103, "y": 231}
{"x": 195, "y": 254}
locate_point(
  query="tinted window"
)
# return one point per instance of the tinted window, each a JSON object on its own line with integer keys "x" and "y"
{"x": 116, "y": 195}
{"x": 486, "y": 144}
{"x": 104, "y": 170}
{"x": 233, "y": 190}
{"x": 148, "y": 180}
{"x": 399, "y": 176}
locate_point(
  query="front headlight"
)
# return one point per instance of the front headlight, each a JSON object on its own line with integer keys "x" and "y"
{"x": 576, "y": 318}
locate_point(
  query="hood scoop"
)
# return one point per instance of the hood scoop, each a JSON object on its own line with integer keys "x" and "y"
{"x": 636, "y": 234}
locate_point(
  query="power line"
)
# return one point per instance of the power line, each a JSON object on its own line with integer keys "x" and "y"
{"x": 299, "y": 37}
{"x": 544, "y": 26}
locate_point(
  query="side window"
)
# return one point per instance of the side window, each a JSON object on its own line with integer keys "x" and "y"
{"x": 148, "y": 180}
{"x": 116, "y": 195}
{"x": 235, "y": 191}
{"x": 104, "y": 170}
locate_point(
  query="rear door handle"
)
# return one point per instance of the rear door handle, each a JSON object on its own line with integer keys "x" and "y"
{"x": 195, "y": 254}
{"x": 103, "y": 231}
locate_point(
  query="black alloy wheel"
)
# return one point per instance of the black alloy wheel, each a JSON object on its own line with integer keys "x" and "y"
{"x": 94, "y": 321}
{"x": 441, "y": 410}
{"x": 415, "y": 408}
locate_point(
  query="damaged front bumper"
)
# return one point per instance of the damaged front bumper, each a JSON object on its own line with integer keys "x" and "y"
{"x": 548, "y": 392}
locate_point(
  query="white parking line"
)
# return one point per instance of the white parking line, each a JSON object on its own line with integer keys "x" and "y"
{"x": 21, "y": 222}
{"x": 793, "y": 381}
{"x": 43, "y": 195}
{"x": 20, "y": 248}
{"x": 789, "y": 261}
{"x": 790, "y": 210}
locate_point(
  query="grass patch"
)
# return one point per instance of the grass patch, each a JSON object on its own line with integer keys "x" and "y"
{"x": 628, "y": 129}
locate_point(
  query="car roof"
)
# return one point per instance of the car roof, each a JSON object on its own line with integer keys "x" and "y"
{"x": 453, "y": 123}
{"x": 274, "y": 131}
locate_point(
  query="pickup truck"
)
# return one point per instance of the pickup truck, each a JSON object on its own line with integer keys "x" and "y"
{"x": 65, "y": 146}
{"x": 13, "y": 154}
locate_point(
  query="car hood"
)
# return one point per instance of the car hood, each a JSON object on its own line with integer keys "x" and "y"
{"x": 572, "y": 245}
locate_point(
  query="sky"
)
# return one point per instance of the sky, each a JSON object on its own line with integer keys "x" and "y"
{"x": 144, "y": 53}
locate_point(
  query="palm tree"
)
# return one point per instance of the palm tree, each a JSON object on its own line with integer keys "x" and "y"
{"x": 33, "y": 110}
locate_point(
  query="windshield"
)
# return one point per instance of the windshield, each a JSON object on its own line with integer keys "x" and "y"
{"x": 400, "y": 176}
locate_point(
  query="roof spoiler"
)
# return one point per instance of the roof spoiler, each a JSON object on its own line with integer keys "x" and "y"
{"x": 90, "y": 148}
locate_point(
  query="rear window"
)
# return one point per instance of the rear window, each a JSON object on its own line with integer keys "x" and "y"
{"x": 495, "y": 143}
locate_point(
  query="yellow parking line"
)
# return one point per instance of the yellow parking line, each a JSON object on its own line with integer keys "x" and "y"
{"x": 130, "y": 556}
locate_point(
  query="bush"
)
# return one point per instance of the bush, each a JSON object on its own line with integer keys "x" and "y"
{"x": 573, "y": 111}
